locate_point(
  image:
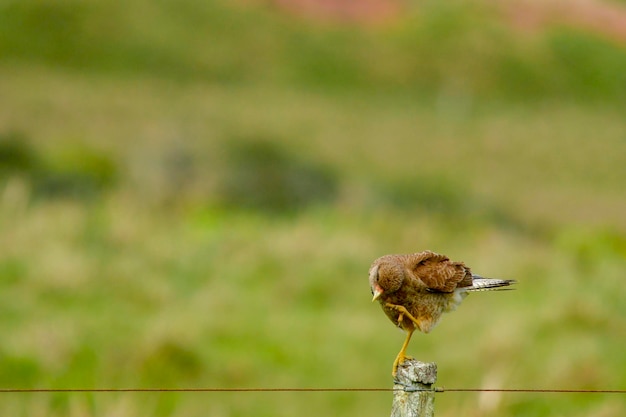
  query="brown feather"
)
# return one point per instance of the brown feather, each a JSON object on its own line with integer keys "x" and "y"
{"x": 437, "y": 272}
{"x": 427, "y": 284}
{"x": 415, "y": 290}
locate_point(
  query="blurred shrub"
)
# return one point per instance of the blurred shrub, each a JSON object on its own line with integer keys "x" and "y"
{"x": 439, "y": 196}
{"x": 115, "y": 36}
{"x": 564, "y": 63}
{"x": 18, "y": 371}
{"x": 432, "y": 194}
{"x": 41, "y": 30}
{"x": 76, "y": 171}
{"x": 17, "y": 157}
{"x": 171, "y": 361}
{"x": 260, "y": 175}
{"x": 592, "y": 67}
{"x": 330, "y": 59}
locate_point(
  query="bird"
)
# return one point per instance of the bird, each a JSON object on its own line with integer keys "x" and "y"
{"x": 414, "y": 290}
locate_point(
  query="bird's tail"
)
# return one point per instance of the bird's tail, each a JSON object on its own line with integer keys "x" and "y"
{"x": 490, "y": 284}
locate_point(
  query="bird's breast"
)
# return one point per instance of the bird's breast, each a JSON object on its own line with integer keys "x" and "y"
{"x": 425, "y": 307}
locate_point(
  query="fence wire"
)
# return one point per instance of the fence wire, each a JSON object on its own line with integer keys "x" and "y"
{"x": 224, "y": 390}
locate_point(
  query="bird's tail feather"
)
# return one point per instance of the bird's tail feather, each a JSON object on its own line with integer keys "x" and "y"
{"x": 490, "y": 284}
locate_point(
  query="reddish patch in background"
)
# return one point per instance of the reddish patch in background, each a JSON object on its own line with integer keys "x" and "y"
{"x": 603, "y": 17}
{"x": 597, "y": 16}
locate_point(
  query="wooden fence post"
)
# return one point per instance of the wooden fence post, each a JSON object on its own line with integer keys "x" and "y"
{"x": 409, "y": 396}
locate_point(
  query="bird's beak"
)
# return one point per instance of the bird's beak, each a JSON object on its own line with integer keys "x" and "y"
{"x": 377, "y": 293}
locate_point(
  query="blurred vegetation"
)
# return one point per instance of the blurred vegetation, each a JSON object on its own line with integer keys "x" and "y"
{"x": 262, "y": 177}
{"x": 75, "y": 172}
{"x": 191, "y": 194}
{"x": 190, "y": 41}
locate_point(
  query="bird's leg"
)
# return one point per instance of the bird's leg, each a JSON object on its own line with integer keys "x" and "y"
{"x": 401, "y": 355}
{"x": 400, "y": 318}
{"x": 403, "y": 312}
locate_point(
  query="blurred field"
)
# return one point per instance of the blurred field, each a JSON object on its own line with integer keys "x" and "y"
{"x": 191, "y": 195}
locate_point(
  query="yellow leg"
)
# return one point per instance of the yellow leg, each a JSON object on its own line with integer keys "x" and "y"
{"x": 401, "y": 356}
{"x": 404, "y": 312}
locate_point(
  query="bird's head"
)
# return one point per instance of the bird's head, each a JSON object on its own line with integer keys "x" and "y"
{"x": 386, "y": 276}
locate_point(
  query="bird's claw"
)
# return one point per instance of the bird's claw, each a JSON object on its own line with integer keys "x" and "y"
{"x": 404, "y": 313}
{"x": 400, "y": 359}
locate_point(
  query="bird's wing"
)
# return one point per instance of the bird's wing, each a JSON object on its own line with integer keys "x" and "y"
{"x": 437, "y": 272}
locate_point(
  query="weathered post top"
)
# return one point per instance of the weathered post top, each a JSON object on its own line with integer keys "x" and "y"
{"x": 413, "y": 392}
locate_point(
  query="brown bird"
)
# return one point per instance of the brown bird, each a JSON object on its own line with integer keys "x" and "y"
{"x": 415, "y": 289}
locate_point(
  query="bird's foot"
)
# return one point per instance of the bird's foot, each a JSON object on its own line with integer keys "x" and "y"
{"x": 399, "y": 361}
{"x": 404, "y": 313}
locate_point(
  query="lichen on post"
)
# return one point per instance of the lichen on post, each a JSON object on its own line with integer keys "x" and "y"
{"x": 413, "y": 392}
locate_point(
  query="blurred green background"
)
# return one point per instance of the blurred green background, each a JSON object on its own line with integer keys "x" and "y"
{"x": 191, "y": 194}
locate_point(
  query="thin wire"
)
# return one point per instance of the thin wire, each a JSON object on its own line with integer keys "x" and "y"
{"x": 28, "y": 390}
{"x": 438, "y": 389}
{"x": 536, "y": 390}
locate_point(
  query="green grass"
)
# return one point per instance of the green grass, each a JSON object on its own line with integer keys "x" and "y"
{"x": 140, "y": 245}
